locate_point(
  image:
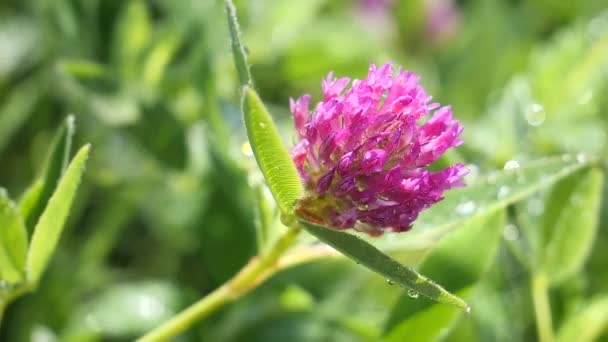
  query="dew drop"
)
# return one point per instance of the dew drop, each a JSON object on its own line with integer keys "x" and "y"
{"x": 390, "y": 282}
{"x": 412, "y": 293}
{"x": 510, "y": 232}
{"x": 503, "y": 192}
{"x": 535, "y": 114}
{"x": 466, "y": 208}
{"x": 468, "y": 309}
{"x": 511, "y": 165}
{"x": 581, "y": 158}
{"x": 536, "y": 207}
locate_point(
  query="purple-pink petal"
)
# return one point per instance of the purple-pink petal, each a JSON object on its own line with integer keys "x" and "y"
{"x": 362, "y": 154}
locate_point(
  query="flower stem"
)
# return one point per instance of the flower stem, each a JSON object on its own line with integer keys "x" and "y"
{"x": 248, "y": 278}
{"x": 542, "y": 307}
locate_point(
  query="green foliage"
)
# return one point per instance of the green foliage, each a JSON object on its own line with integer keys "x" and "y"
{"x": 36, "y": 199}
{"x": 587, "y": 324}
{"x": 238, "y": 49}
{"x": 169, "y": 206}
{"x": 570, "y": 234}
{"x": 372, "y": 258}
{"x": 51, "y": 222}
{"x": 274, "y": 161}
{"x": 465, "y": 267}
{"x": 13, "y": 242}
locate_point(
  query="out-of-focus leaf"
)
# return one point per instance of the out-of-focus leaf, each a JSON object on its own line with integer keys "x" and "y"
{"x": 274, "y": 24}
{"x": 55, "y": 166}
{"x": 570, "y": 224}
{"x": 238, "y": 49}
{"x": 158, "y": 59}
{"x": 587, "y": 324}
{"x": 455, "y": 265}
{"x": 13, "y": 241}
{"x": 131, "y": 35}
{"x": 492, "y": 191}
{"x": 127, "y": 310}
{"x": 116, "y": 109}
{"x": 274, "y": 161}
{"x": 29, "y": 199}
{"x": 50, "y": 225}
{"x": 567, "y": 72}
{"x": 16, "y": 108}
{"x": 83, "y": 69}
{"x": 264, "y": 218}
{"x": 18, "y": 38}
{"x": 372, "y": 258}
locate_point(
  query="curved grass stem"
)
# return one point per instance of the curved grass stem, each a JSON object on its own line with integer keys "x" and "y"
{"x": 248, "y": 278}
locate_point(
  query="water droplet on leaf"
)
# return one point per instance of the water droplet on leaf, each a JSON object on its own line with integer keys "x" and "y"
{"x": 511, "y": 165}
{"x": 503, "y": 192}
{"x": 466, "y": 208}
{"x": 536, "y": 207}
{"x": 412, "y": 293}
{"x": 581, "y": 158}
{"x": 535, "y": 114}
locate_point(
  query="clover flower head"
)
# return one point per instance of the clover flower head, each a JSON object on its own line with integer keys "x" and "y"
{"x": 363, "y": 154}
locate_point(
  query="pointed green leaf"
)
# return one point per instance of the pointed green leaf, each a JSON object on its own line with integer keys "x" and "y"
{"x": 55, "y": 166}
{"x": 274, "y": 161}
{"x": 13, "y": 242}
{"x": 372, "y": 258}
{"x": 49, "y": 227}
{"x": 159, "y": 57}
{"x": 131, "y": 35}
{"x": 571, "y": 223}
{"x": 455, "y": 265}
{"x": 485, "y": 194}
{"x": 587, "y": 324}
{"x": 238, "y": 50}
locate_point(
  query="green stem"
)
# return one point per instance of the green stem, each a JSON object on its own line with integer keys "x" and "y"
{"x": 542, "y": 307}
{"x": 255, "y": 272}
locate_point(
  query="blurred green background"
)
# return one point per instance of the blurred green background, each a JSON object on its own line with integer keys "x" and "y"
{"x": 166, "y": 212}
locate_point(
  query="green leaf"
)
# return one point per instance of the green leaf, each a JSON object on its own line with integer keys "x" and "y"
{"x": 13, "y": 242}
{"x": 274, "y": 161}
{"x": 264, "y": 218}
{"x": 49, "y": 227}
{"x": 238, "y": 49}
{"x": 455, "y": 265}
{"x": 570, "y": 224}
{"x": 17, "y": 107}
{"x": 131, "y": 35}
{"x": 159, "y": 57}
{"x": 126, "y": 310}
{"x": 372, "y": 258}
{"x": 55, "y": 166}
{"x": 483, "y": 195}
{"x": 587, "y": 324}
